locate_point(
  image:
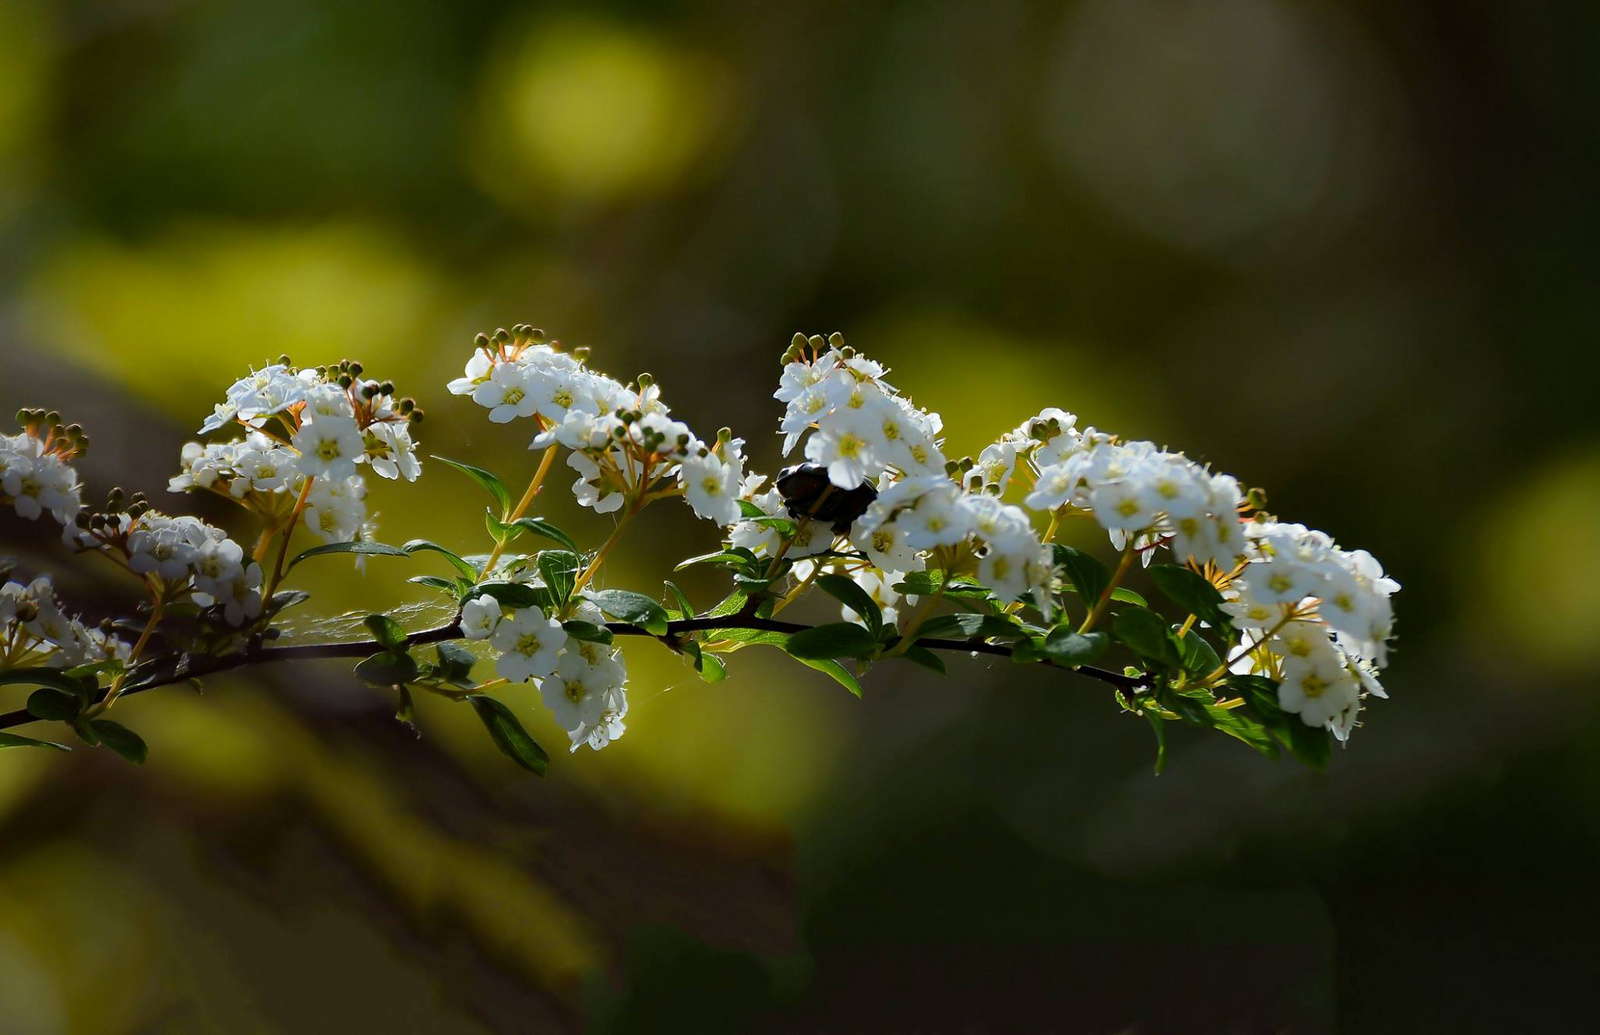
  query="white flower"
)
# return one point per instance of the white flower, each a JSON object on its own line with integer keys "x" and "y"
{"x": 529, "y": 643}
{"x": 1120, "y": 507}
{"x": 938, "y": 518}
{"x": 601, "y": 490}
{"x": 391, "y": 452}
{"x": 42, "y": 482}
{"x": 336, "y": 510}
{"x": 879, "y": 585}
{"x": 1318, "y": 688}
{"x": 506, "y": 394}
{"x": 479, "y": 617}
{"x": 478, "y": 368}
{"x": 849, "y": 445}
{"x": 760, "y": 539}
{"x": 329, "y": 448}
{"x": 575, "y": 693}
{"x": 712, "y": 487}
{"x": 886, "y": 547}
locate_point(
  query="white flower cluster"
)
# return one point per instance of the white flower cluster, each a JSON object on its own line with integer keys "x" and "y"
{"x": 862, "y": 427}
{"x": 1324, "y": 613}
{"x": 582, "y": 683}
{"x": 317, "y": 423}
{"x": 35, "y": 632}
{"x": 35, "y": 470}
{"x": 621, "y": 437}
{"x": 1324, "y": 616}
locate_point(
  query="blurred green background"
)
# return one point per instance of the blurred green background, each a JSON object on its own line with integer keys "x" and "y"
{"x": 1343, "y": 250}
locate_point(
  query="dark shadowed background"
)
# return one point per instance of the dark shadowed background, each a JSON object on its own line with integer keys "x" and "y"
{"x": 1343, "y": 250}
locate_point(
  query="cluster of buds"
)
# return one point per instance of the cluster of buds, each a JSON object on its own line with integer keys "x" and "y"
{"x": 35, "y": 466}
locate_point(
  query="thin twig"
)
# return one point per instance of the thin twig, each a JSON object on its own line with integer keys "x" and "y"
{"x": 261, "y": 654}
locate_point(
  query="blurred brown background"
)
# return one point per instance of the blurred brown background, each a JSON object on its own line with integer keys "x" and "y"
{"x": 1344, "y": 250}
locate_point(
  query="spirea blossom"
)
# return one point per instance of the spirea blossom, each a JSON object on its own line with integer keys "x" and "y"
{"x": 36, "y": 632}
{"x": 36, "y": 474}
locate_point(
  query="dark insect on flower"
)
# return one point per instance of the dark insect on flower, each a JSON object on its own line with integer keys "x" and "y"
{"x": 808, "y": 493}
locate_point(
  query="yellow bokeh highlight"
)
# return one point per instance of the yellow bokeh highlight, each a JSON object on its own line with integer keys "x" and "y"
{"x": 179, "y": 318}
{"x": 589, "y": 111}
{"x": 1536, "y": 572}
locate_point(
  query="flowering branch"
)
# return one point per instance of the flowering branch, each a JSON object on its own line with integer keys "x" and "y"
{"x": 1277, "y": 639}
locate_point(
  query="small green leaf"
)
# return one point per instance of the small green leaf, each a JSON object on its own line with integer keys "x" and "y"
{"x": 926, "y": 583}
{"x": 735, "y": 557}
{"x": 52, "y": 677}
{"x": 285, "y": 599}
{"x": 459, "y": 563}
{"x": 1312, "y": 745}
{"x": 1128, "y": 596}
{"x": 1196, "y": 656}
{"x": 508, "y": 734}
{"x": 363, "y": 547}
{"x": 589, "y": 632}
{"x": 685, "y": 609}
{"x": 924, "y": 657}
{"x": 834, "y": 640}
{"x": 633, "y": 608}
{"x": 838, "y": 672}
{"x": 970, "y": 626}
{"x": 1157, "y": 723}
{"x": 847, "y": 592}
{"x": 1087, "y": 575}
{"x": 406, "y": 709}
{"x": 518, "y": 596}
{"x": 120, "y": 739}
{"x": 1145, "y": 633}
{"x": 455, "y": 662}
{"x": 1189, "y": 590}
{"x": 435, "y": 582}
{"x": 1066, "y": 646}
{"x": 387, "y": 669}
{"x": 388, "y": 632}
{"x": 12, "y": 740}
{"x": 541, "y": 527}
{"x": 559, "y": 569}
{"x": 50, "y": 703}
{"x": 495, "y": 486}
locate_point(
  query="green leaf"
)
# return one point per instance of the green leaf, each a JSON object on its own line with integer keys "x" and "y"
{"x": 388, "y": 632}
{"x": 1189, "y": 590}
{"x": 633, "y": 608}
{"x": 285, "y": 599}
{"x": 435, "y": 582}
{"x": 1145, "y": 633}
{"x": 363, "y": 547}
{"x": 969, "y": 627}
{"x": 52, "y": 677}
{"x": 541, "y": 527}
{"x": 1128, "y": 596}
{"x": 12, "y": 740}
{"x": 589, "y": 632}
{"x": 710, "y": 667}
{"x": 1189, "y": 708}
{"x": 387, "y": 669}
{"x": 845, "y": 590}
{"x": 1196, "y": 656}
{"x": 120, "y": 739}
{"x": 926, "y": 583}
{"x": 495, "y": 486}
{"x": 406, "y": 709}
{"x": 732, "y": 604}
{"x": 1087, "y": 575}
{"x": 1312, "y": 745}
{"x": 455, "y": 662}
{"x": 1157, "y": 723}
{"x": 459, "y": 563}
{"x": 734, "y": 557}
{"x": 508, "y": 734}
{"x": 834, "y": 640}
{"x": 924, "y": 657}
{"x": 1235, "y": 724}
{"x": 1065, "y": 646}
{"x": 518, "y": 595}
{"x": 559, "y": 568}
{"x": 750, "y": 510}
{"x": 50, "y": 703}
{"x": 685, "y": 609}
{"x": 840, "y": 674}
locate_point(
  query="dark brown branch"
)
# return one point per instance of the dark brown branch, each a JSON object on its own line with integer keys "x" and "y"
{"x": 261, "y": 654}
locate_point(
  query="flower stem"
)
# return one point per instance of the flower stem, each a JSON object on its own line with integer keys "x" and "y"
{"x": 1099, "y": 610}
{"x": 133, "y": 655}
{"x": 522, "y": 505}
{"x": 288, "y": 533}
